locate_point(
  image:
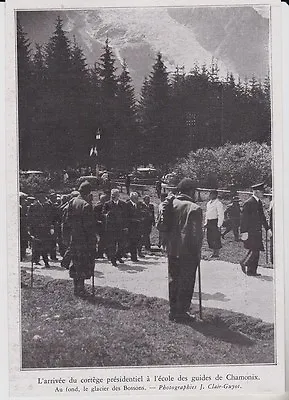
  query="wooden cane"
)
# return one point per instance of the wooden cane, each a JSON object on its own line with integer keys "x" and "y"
{"x": 93, "y": 289}
{"x": 32, "y": 257}
{"x": 200, "y": 290}
{"x": 266, "y": 245}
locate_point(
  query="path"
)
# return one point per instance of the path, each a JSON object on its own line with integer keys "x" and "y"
{"x": 223, "y": 283}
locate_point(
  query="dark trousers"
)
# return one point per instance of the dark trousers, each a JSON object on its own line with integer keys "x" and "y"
{"x": 78, "y": 286}
{"x": 39, "y": 248}
{"x": 231, "y": 226}
{"x": 145, "y": 239}
{"x": 133, "y": 247}
{"x": 182, "y": 275}
{"x": 115, "y": 246}
{"x": 213, "y": 234}
{"x": 67, "y": 258}
{"x": 252, "y": 261}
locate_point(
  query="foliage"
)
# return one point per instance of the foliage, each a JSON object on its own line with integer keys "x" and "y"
{"x": 30, "y": 184}
{"x": 240, "y": 164}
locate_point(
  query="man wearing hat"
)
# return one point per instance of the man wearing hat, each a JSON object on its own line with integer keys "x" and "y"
{"x": 82, "y": 238}
{"x": 213, "y": 221}
{"x": 232, "y": 218}
{"x": 252, "y": 220}
{"x": 184, "y": 242}
{"x": 40, "y": 227}
{"x": 115, "y": 216}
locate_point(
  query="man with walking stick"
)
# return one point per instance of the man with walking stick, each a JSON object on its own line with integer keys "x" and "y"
{"x": 183, "y": 221}
{"x": 82, "y": 239}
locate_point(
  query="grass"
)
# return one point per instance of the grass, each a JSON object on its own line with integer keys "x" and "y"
{"x": 118, "y": 328}
{"x": 231, "y": 251}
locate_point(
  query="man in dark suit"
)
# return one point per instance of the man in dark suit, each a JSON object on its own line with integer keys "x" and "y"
{"x": 82, "y": 244}
{"x": 184, "y": 242}
{"x": 134, "y": 218}
{"x": 252, "y": 220}
{"x": 40, "y": 227}
{"x": 148, "y": 221}
{"x": 115, "y": 214}
{"x": 100, "y": 225}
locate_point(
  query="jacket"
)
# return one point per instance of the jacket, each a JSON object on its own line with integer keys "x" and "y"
{"x": 186, "y": 233}
{"x": 252, "y": 220}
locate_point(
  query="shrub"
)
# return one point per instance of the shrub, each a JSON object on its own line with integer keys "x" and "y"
{"x": 239, "y": 164}
{"x": 30, "y": 184}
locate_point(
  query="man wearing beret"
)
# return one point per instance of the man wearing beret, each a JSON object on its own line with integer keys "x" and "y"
{"x": 252, "y": 221}
{"x": 82, "y": 238}
{"x": 184, "y": 242}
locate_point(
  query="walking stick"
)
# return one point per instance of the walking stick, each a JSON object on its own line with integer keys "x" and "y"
{"x": 200, "y": 289}
{"x": 32, "y": 259}
{"x": 93, "y": 289}
{"x": 266, "y": 245}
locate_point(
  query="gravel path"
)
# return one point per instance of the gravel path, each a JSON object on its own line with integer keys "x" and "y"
{"x": 223, "y": 284}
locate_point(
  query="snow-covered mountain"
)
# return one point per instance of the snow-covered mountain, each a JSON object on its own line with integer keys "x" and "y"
{"x": 237, "y": 37}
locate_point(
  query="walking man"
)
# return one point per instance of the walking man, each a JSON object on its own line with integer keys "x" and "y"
{"x": 115, "y": 214}
{"x": 184, "y": 242}
{"x": 252, "y": 220}
{"x": 134, "y": 218}
{"x": 40, "y": 228}
{"x": 100, "y": 226}
{"x": 148, "y": 222}
{"x": 82, "y": 239}
{"x": 213, "y": 221}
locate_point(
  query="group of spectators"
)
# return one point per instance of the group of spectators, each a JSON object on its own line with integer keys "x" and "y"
{"x": 83, "y": 232}
{"x": 114, "y": 228}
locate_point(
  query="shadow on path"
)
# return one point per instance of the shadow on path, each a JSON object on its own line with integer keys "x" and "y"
{"x": 216, "y": 296}
{"x": 221, "y": 332}
{"x": 131, "y": 268}
{"x": 105, "y": 302}
{"x": 265, "y": 278}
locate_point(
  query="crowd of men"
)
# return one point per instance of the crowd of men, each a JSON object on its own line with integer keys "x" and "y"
{"x": 117, "y": 229}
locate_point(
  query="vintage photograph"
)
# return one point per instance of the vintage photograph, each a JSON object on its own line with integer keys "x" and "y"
{"x": 145, "y": 187}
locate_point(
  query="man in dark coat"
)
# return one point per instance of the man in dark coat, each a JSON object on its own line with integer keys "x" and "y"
{"x": 100, "y": 226}
{"x": 115, "y": 214}
{"x": 252, "y": 220}
{"x": 82, "y": 239}
{"x": 56, "y": 221}
{"x": 184, "y": 242}
{"x": 134, "y": 218}
{"x": 40, "y": 228}
{"x": 148, "y": 221}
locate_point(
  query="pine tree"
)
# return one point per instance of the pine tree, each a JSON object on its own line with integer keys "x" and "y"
{"x": 61, "y": 149}
{"x": 109, "y": 120}
{"x": 157, "y": 137}
{"x": 25, "y": 108}
{"x": 128, "y": 130}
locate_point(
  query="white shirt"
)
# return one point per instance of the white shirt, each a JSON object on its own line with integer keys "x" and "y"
{"x": 215, "y": 210}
